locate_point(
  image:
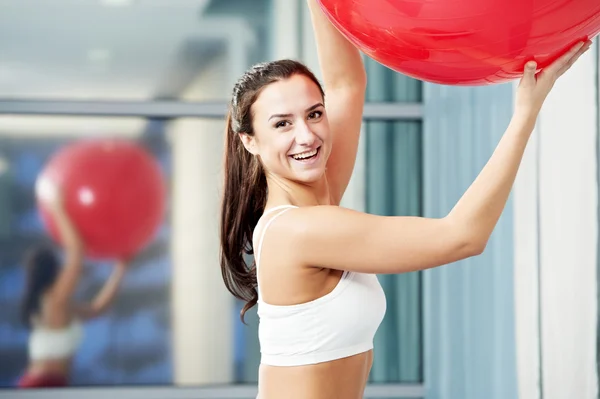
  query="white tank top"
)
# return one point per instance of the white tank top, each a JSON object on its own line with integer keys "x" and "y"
{"x": 46, "y": 343}
{"x": 337, "y": 325}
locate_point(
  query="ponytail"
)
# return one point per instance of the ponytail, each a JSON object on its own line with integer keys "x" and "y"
{"x": 245, "y": 188}
{"x": 42, "y": 268}
{"x": 244, "y": 199}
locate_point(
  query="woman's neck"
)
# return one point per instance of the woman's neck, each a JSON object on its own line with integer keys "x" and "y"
{"x": 298, "y": 194}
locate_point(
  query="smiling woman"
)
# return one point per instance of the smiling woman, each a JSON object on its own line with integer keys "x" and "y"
{"x": 302, "y": 144}
{"x": 289, "y": 158}
{"x": 250, "y": 129}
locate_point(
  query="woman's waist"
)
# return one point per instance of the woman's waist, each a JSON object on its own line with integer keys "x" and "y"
{"x": 344, "y": 378}
{"x": 50, "y": 366}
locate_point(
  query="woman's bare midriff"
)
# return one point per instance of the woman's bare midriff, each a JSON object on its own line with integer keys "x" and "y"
{"x": 53, "y": 367}
{"x": 343, "y": 378}
{"x": 54, "y": 317}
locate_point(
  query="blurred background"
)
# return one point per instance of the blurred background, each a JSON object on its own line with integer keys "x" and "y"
{"x": 517, "y": 321}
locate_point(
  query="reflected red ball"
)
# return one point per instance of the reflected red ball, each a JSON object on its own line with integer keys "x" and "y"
{"x": 114, "y": 192}
{"x": 464, "y": 42}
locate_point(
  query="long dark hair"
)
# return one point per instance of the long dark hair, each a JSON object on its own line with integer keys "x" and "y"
{"x": 41, "y": 268}
{"x": 245, "y": 188}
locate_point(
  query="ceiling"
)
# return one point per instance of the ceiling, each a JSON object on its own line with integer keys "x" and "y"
{"x": 113, "y": 50}
{"x": 110, "y": 49}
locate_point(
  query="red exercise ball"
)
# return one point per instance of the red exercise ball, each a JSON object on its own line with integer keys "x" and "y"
{"x": 464, "y": 42}
{"x": 113, "y": 191}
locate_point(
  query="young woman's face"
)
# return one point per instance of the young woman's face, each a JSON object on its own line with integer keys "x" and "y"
{"x": 291, "y": 131}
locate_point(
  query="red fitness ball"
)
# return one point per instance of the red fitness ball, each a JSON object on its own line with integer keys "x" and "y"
{"x": 464, "y": 42}
{"x": 113, "y": 191}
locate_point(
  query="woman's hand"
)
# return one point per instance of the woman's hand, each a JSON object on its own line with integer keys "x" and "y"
{"x": 50, "y": 194}
{"x": 107, "y": 295}
{"x": 534, "y": 88}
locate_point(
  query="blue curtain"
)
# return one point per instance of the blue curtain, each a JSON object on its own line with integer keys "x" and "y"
{"x": 468, "y": 306}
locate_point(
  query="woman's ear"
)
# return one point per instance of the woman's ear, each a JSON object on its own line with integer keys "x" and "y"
{"x": 249, "y": 143}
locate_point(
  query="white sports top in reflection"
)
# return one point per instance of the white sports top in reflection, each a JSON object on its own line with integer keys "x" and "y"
{"x": 47, "y": 344}
{"x": 337, "y": 325}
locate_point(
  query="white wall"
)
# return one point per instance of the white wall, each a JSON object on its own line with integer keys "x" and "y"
{"x": 201, "y": 306}
{"x": 556, "y": 229}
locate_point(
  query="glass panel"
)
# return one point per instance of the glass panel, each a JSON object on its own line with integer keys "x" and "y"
{"x": 385, "y": 85}
{"x": 128, "y": 342}
{"x": 394, "y": 185}
{"x": 394, "y": 189}
{"x": 130, "y": 50}
{"x": 247, "y": 346}
{"x": 171, "y": 313}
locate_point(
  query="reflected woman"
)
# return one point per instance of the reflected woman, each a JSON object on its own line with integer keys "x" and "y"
{"x": 48, "y": 309}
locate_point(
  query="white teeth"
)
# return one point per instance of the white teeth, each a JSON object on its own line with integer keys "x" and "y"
{"x": 305, "y": 155}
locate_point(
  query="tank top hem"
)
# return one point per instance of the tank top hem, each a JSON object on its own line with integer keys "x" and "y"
{"x": 315, "y": 358}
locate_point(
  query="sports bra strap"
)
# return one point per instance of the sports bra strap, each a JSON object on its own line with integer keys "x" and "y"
{"x": 264, "y": 230}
